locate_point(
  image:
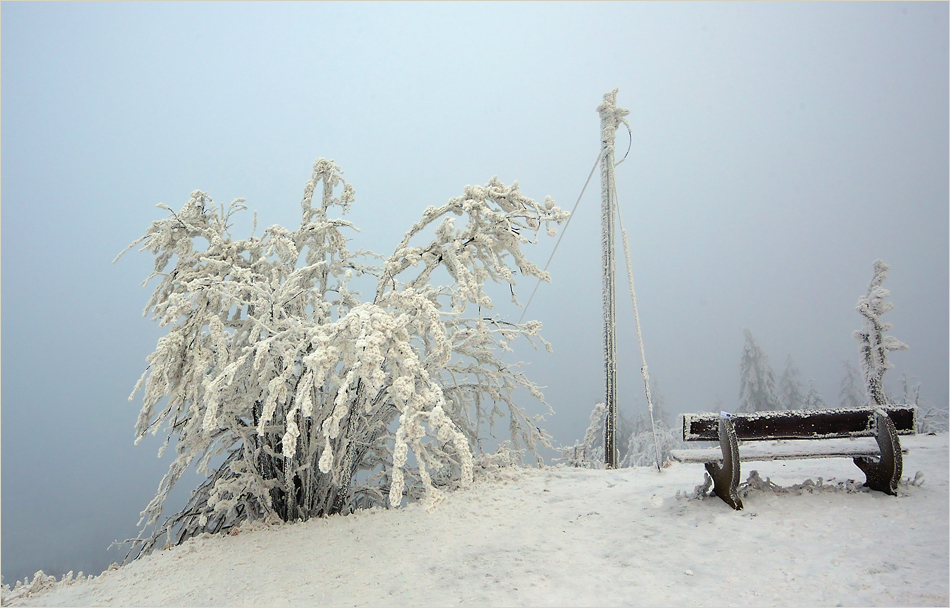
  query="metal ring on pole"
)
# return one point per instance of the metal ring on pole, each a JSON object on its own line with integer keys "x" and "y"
{"x": 629, "y": 144}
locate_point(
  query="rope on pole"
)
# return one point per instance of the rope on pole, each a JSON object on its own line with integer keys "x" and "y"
{"x": 636, "y": 316}
{"x": 568, "y": 223}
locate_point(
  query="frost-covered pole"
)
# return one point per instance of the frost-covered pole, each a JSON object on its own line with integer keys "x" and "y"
{"x": 610, "y": 118}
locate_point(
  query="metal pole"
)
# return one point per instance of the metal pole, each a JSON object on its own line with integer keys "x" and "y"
{"x": 610, "y": 118}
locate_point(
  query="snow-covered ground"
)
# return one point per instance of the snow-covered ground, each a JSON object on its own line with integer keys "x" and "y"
{"x": 575, "y": 537}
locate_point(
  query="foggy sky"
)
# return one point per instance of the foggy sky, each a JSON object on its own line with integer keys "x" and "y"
{"x": 778, "y": 150}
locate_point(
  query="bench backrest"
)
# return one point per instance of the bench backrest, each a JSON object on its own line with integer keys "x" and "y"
{"x": 800, "y": 424}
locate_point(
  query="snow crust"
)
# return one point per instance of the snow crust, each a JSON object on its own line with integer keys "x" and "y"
{"x": 579, "y": 537}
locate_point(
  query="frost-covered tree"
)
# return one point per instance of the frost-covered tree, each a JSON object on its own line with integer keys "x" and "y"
{"x": 311, "y": 401}
{"x": 791, "y": 392}
{"x": 874, "y": 344}
{"x": 756, "y": 379}
{"x": 813, "y": 400}
{"x": 851, "y": 394}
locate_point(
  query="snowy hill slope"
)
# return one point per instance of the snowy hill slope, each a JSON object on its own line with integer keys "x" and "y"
{"x": 573, "y": 537}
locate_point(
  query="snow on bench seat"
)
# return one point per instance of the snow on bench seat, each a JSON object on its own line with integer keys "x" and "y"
{"x": 787, "y": 450}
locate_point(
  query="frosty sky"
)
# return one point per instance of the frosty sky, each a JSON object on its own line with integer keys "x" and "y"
{"x": 778, "y": 150}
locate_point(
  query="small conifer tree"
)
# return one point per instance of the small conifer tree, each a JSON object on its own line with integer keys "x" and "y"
{"x": 756, "y": 379}
{"x": 790, "y": 386}
{"x": 813, "y": 399}
{"x": 874, "y": 344}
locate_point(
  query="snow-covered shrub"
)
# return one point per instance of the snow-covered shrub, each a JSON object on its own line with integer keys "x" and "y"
{"x": 500, "y": 465}
{"x": 315, "y": 400}
{"x": 756, "y": 379}
{"x": 874, "y": 344}
{"x": 639, "y": 443}
{"x": 41, "y": 582}
{"x": 932, "y": 420}
{"x": 641, "y": 447}
{"x": 589, "y": 453}
{"x": 593, "y": 443}
{"x": 929, "y": 419}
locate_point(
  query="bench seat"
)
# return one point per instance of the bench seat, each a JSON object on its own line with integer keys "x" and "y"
{"x": 787, "y": 450}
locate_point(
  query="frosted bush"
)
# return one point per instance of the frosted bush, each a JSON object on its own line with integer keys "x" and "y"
{"x": 41, "y": 582}
{"x": 641, "y": 450}
{"x": 588, "y": 454}
{"x": 638, "y": 442}
{"x": 315, "y": 402}
{"x": 929, "y": 419}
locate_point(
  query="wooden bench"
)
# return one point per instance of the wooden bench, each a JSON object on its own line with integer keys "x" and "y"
{"x": 867, "y": 435}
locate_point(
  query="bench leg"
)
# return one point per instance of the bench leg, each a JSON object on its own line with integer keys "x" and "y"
{"x": 884, "y": 473}
{"x": 726, "y": 478}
